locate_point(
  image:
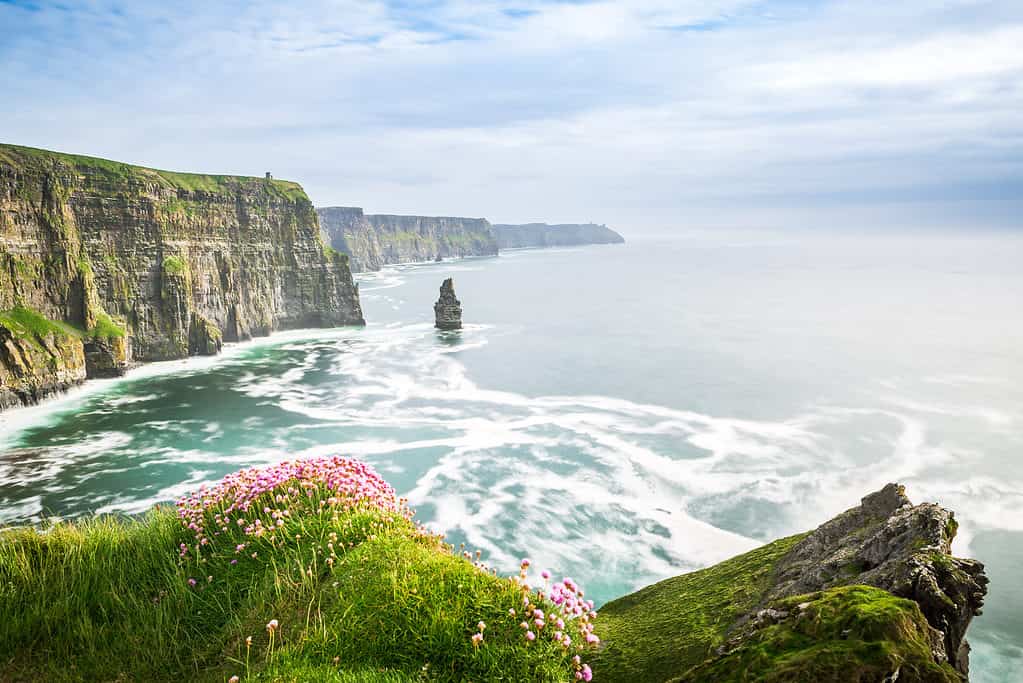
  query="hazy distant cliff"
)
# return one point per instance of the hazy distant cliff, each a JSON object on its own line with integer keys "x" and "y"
{"x": 373, "y": 241}
{"x": 101, "y": 262}
{"x": 562, "y": 235}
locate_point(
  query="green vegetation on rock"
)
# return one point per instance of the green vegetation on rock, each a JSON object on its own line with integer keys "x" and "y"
{"x": 173, "y": 265}
{"x": 29, "y": 324}
{"x": 105, "y": 328}
{"x": 847, "y": 634}
{"x": 662, "y": 630}
{"x": 19, "y": 156}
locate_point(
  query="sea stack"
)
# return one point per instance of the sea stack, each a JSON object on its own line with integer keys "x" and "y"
{"x": 448, "y": 309}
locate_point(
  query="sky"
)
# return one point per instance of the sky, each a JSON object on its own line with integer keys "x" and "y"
{"x": 651, "y": 116}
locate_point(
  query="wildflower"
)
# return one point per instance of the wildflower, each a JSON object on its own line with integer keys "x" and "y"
{"x": 587, "y": 673}
{"x": 192, "y": 582}
{"x": 477, "y": 638}
{"x": 525, "y": 563}
{"x": 248, "y": 641}
{"x": 481, "y": 626}
{"x": 530, "y": 636}
{"x": 233, "y": 679}
{"x": 545, "y": 575}
{"x": 272, "y": 625}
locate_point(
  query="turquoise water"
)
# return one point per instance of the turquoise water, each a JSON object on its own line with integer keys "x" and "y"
{"x": 619, "y": 413}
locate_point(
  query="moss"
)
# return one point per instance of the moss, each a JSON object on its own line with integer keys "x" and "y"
{"x": 29, "y": 324}
{"x": 173, "y": 265}
{"x": 852, "y": 633}
{"x": 662, "y": 630}
{"x": 105, "y": 328}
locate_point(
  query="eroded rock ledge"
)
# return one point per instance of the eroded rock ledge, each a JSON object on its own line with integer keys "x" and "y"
{"x": 872, "y": 595}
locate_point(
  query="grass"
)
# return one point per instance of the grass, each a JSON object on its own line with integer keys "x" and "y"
{"x": 173, "y": 265}
{"x": 662, "y": 630}
{"x": 18, "y": 156}
{"x": 105, "y": 328}
{"x": 27, "y": 323}
{"x": 360, "y": 594}
{"x": 852, "y": 633}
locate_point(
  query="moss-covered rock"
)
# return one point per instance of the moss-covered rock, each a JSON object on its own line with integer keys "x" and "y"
{"x": 852, "y": 634}
{"x": 38, "y": 356}
{"x": 797, "y": 609}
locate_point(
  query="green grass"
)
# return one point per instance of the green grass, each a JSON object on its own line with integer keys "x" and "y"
{"x": 28, "y": 323}
{"x": 662, "y": 630}
{"x": 173, "y": 265}
{"x": 21, "y": 157}
{"x": 105, "y": 328}
{"x": 108, "y": 599}
{"x": 852, "y": 633}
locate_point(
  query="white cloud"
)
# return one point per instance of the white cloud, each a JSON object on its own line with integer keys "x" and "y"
{"x": 560, "y": 110}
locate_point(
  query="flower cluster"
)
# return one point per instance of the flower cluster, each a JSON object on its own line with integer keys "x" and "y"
{"x": 554, "y": 613}
{"x": 260, "y": 500}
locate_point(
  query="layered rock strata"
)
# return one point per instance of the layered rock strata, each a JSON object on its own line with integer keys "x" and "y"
{"x": 448, "y": 309}
{"x": 373, "y": 241}
{"x": 152, "y": 265}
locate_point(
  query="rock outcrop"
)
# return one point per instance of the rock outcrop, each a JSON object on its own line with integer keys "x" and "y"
{"x": 562, "y": 235}
{"x": 448, "y": 309}
{"x": 151, "y": 265}
{"x": 872, "y": 595}
{"x": 373, "y": 241}
{"x": 889, "y": 543}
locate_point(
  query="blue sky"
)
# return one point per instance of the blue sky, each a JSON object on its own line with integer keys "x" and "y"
{"x": 649, "y": 115}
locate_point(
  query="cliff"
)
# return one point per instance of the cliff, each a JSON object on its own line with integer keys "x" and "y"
{"x": 373, "y": 241}
{"x": 872, "y": 595}
{"x": 563, "y": 235}
{"x": 102, "y": 263}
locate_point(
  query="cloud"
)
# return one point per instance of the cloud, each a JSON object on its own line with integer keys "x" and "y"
{"x": 644, "y": 113}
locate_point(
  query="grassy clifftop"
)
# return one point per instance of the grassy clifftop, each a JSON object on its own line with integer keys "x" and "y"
{"x": 29, "y": 158}
{"x": 303, "y": 571}
{"x": 315, "y": 570}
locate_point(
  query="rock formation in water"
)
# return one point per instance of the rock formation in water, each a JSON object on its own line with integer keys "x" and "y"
{"x": 872, "y": 595}
{"x": 102, "y": 263}
{"x": 563, "y": 235}
{"x": 373, "y": 241}
{"x": 448, "y": 309}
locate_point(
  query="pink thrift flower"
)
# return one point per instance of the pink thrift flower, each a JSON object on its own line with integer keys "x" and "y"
{"x": 530, "y": 636}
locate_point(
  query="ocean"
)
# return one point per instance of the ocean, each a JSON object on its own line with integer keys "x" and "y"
{"x": 617, "y": 413}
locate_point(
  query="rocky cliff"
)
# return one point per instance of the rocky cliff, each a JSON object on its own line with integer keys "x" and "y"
{"x": 563, "y": 235}
{"x": 873, "y": 595}
{"x": 103, "y": 262}
{"x": 373, "y": 241}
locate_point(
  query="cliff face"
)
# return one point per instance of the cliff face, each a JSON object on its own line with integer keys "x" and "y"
{"x": 152, "y": 265}
{"x": 872, "y": 595}
{"x": 373, "y": 241}
{"x": 563, "y": 235}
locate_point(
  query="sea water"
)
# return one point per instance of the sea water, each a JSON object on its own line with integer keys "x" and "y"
{"x": 618, "y": 414}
